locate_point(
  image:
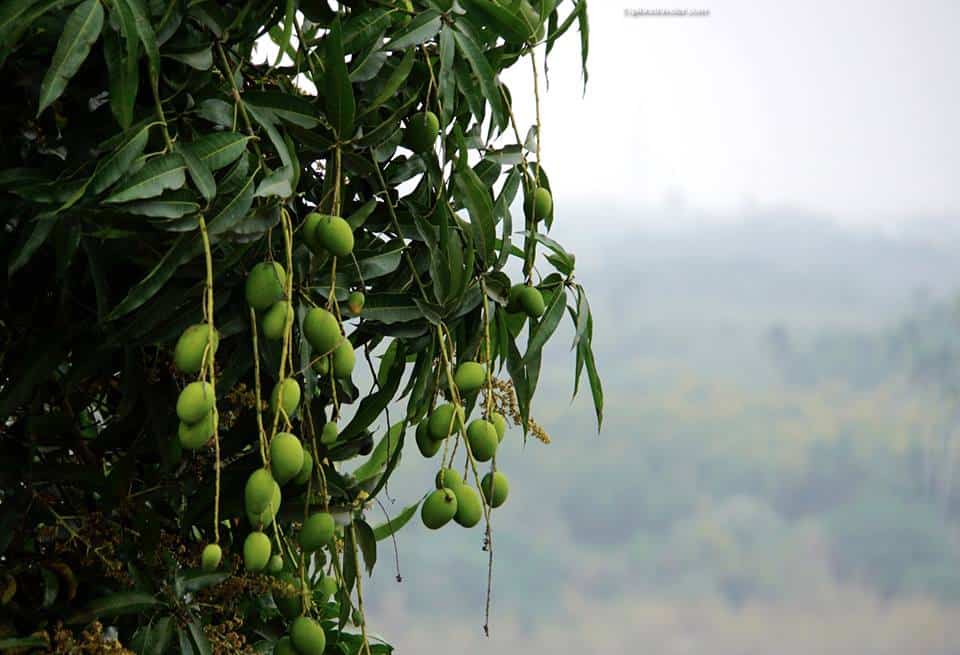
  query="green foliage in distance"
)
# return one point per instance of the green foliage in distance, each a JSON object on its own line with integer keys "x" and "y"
{"x": 163, "y": 184}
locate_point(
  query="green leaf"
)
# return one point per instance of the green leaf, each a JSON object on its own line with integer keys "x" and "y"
{"x": 476, "y": 198}
{"x": 596, "y": 386}
{"x": 367, "y": 541}
{"x": 174, "y": 204}
{"x": 235, "y": 209}
{"x": 38, "y": 235}
{"x": 372, "y": 406}
{"x": 219, "y": 149}
{"x": 384, "y": 450}
{"x": 278, "y": 183}
{"x": 120, "y": 603}
{"x": 158, "y": 636}
{"x": 483, "y": 73}
{"x": 199, "y": 173}
{"x": 160, "y": 174}
{"x": 584, "y": 27}
{"x": 124, "y": 69}
{"x": 392, "y": 526}
{"x": 80, "y": 32}
{"x": 291, "y": 108}
{"x": 144, "y": 28}
{"x": 422, "y": 28}
{"x": 340, "y": 103}
{"x": 447, "y": 81}
{"x": 23, "y": 642}
{"x": 390, "y": 308}
{"x": 196, "y": 579}
{"x": 506, "y": 21}
{"x": 546, "y": 327}
{"x": 395, "y": 81}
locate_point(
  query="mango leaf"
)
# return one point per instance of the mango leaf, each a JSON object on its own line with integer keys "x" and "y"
{"x": 199, "y": 173}
{"x": 383, "y": 451}
{"x": 123, "y": 602}
{"x": 43, "y": 225}
{"x": 340, "y": 103}
{"x": 235, "y": 210}
{"x": 174, "y": 204}
{"x": 184, "y": 248}
{"x": 546, "y": 327}
{"x": 367, "y": 542}
{"x": 80, "y": 32}
{"x": 159, "y": 175}
{"x": 219, "y": 149}
{"x": 144, "y": 28}
{"x": 483, "y": 73}
{"x": 392, "y": 526}
{"x": 476, "y": 198}
{"x": 158, "y": 635}
{"x": 290, "y": 108}
{"x": 422, "y": 28}
{"x": 393, "y": 83}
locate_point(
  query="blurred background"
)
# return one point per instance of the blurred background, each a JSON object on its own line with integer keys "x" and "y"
{"x": 763, "y": 205}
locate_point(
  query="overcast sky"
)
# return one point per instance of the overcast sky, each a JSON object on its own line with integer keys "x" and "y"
{"x": 846, "y": 109}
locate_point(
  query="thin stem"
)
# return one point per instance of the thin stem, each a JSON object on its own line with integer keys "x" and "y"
{"x": 210, "y": 366}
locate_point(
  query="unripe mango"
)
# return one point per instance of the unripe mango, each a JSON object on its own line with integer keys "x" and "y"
{"x": 482, "y": 437}
{"x": 188, "y": 353}
{"x": 344, "y": 359}
{"x": 427, "y": 445}
{"x": 538, "y": 205}
{"x": 322, "y": 330}
{"x": 422, "y": 131}
{"x": 258, "y": 491}
{"x": 307, "y": 636}
{"x": 500, "y": 423}
{"x": 501, "y": 488}
{"x": 256, "y": 552}
{"x": 195, "y": 402}
{"x": 284, "y": 646}
{"x": 287, "y": 393}
{"x": 439, "y": 507}
{"x": 286, "y": 457}
{"x": 442, "y": 422}
{"x": 265, "y": 518}
{"x": 470, "y": 376}
{"x": 275, "y": 565}
{"x": 335, "y": 235}
{"x": 265, "y": 285}
{"x": 329, "y": 433}
{"x": 531, "y": 301}
{"x": 210, "y": 558}
{"x": 317, "y": 531}
{"x": 328, "y": 586}
{"x": 321, "y": 365}
{"x": 274, "y": 322}
{"x": 309, "y": 231}
{"x": 306, "y": 469}
{"x": 194, "y": 436}
{"x": 469, "y": 506}
{"x": 355, "y": 302}
{"x": 449, "y": 479}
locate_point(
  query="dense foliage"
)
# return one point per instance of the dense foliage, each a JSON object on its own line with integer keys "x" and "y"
{"x": 200, "y": 246}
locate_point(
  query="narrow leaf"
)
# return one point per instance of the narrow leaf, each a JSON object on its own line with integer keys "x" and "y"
{"x": 80, "y": 32}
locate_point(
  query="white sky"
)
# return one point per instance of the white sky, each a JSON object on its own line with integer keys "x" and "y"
{"x": 841, "y": 108}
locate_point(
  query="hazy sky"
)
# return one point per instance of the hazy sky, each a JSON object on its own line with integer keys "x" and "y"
{"x": 841, "y": 108}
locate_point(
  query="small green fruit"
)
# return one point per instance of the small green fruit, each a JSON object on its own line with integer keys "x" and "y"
{"x": 470, "y": 376}
{"x": 275, "y": 565}
{"x": 335, "y": 234}
{"x": 274, "y": 322}
{"x": 195, "y": 402}
{"x": 427, "y": 445}
{"x": 265, "y": 518}
{"x": 469, "y": 506}
{"x": 329, "y": 433}
{"x": 188, "y": 353}
{"x": 531, "y": 301}
{"x": 307, "y": 636}
{"x": 317, "y": 531}
{"x": 442, "y": 421}
{"x": 321, "y": 329}
{"x": 321, "y": 365}
{"x": 482, "y": 436}
{"x": 422, "y": 131}
{"x": 309, "y": 231}
{"x": 210, "y": 558}
{"x": 513, "y": 299}
{"x": 538, "y": 205}
{"x": 439, "y": 507}
{"x": 328, "y": 586}
{"x": 306, "y": 469}
{"x": 258, "y": 491}
{"x": 355, "y": 302}
{"x": 357, "y": 618}
{"x": 284, "y": 646}
{"x": 194, "y": 436}
{"x": 256, "y": 552}
{"x": 500, "y": 423}
{"x": 344, "y": 359}
{"x": 286, "y": 457}
{"x": 501, "y": 487}
{"x": 288, "y": 392}
{"x": 449, "y": 479}
{"x": 265, "y": 285}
